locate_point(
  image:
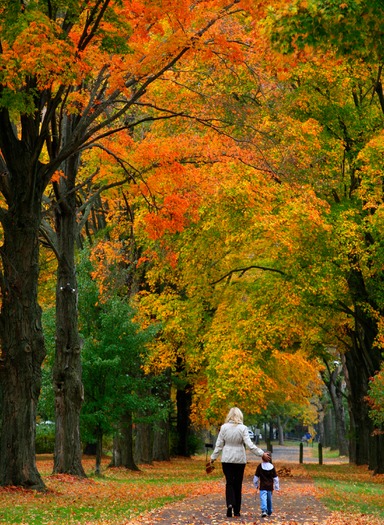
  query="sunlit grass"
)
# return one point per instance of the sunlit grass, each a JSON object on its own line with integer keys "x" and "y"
{"x": 348, "y": 488}
{"x": 327, "y": 452}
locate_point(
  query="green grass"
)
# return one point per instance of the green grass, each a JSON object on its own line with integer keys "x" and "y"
{"x": 72, "y": 514}
{"x": 327, "y": 452}
{"x": 347, "y": 488}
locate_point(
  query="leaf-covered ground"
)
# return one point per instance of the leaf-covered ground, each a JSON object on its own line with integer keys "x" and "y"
{"x": 179, "y": 492}
{"x": 298, "y": 502}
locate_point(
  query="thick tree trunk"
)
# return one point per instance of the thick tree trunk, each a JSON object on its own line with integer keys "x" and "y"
{"x": 321, "y": 430}
{"x": 67, "y": 371}
{"x": 183, "y": 402}
{"x": 143, "y": 443}
{"x": 377, "y": 456}
{"x": 22, "y": 345}
{"x": 161, "y": 442}
{"x": 334, "y": 382}
{"x": 123, "y": 445}
{"x": 161, "y": 431}
{"x": 341, "y": 429}
{"x": 328, "y": 428}
{"x": 359, "y": 440}
{"x": 99, "y": 451}
{"x": 362, "y": 361}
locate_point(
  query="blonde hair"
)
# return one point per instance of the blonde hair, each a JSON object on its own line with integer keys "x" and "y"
{"x": 235, "y": 415}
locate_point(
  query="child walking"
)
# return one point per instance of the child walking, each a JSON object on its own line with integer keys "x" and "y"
{"x": 266, "y": 480}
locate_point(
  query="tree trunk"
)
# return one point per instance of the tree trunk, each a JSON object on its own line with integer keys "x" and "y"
{"x": 22, "y": 343}
{"x": 321, "y": 429}
{"x": 143, "y": 443}
{"x": 334, "y": 383}
{"x": 67, "y": 381}
{"x": 161, "y": 431}
{"x": 280, "y": 430}
{"x": 183, "y": 401}
{"x": 99, "y": 451}
{"x": 341, "y": 429}
{"x": 365, "y": 448}
{"x": 362, "y": 361}
{"x": 123, "y": 445}
{"x": 160, "y": 449}
{"x": 377, "y": 456}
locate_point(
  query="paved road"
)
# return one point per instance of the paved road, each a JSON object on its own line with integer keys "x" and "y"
{"x": 291, "y": 454}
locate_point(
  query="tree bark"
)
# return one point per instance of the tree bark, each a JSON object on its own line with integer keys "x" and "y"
{"x": 334, "y": 383}
{"x": 280, "y": 430}
{"x": 321, "y": 429}
{"x": 99, "y": 451}
{"x": 123, "y": 444}
{"x": 22, "y": 342}
{"x": 161, "y": 442}
{"x": 362, "y": 361}
{"x": 183, "y": 401}
{"x": 161, "y": 433}
{"x": 143, "y": 443}
{"x": 67, "y": 368}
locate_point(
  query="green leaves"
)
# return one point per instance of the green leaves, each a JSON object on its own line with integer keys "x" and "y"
{"x": 353, "y": 28}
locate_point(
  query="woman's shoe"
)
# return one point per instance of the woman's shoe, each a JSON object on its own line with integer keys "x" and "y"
{"x": 229, "y": 511}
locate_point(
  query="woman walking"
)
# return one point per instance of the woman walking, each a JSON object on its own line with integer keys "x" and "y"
{"x": 231, "y": 441}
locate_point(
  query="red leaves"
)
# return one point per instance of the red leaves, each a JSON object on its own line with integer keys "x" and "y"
{"x": 68, "y": 478}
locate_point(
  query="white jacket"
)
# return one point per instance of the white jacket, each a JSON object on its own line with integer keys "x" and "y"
{"x": 231, "y": 441}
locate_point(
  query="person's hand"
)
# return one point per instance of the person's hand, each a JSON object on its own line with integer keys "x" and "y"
{"x": 266, "y": 456}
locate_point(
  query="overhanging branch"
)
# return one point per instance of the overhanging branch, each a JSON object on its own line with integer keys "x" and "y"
{"x": 242, "y": 271}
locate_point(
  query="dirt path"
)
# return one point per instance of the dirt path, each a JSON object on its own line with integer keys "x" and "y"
{"x": 296, "y": 502}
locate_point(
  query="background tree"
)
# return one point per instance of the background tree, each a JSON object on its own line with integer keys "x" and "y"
{"x": 112, "y": 361}
{"x": 348, "y": 104}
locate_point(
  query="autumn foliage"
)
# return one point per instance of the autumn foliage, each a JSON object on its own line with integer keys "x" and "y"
{"x": 221, "y": 163}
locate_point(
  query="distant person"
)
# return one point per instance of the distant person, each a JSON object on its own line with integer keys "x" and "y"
{"x": 266, "y": 480}
{"x": 232, "y": 438}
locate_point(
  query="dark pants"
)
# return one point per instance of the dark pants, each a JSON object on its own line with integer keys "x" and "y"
{"x": 234, "y": 473}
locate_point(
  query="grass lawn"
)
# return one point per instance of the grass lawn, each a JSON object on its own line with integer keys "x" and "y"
{"x": 348, "y": 488}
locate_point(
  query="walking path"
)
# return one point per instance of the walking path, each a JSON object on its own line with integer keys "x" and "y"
{"x": 296, "y": 502}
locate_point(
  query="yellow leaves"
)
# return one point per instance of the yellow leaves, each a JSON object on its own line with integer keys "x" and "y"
{"x": 76, "y": 101}
{"x": 371, "y": 163}
{"x": 106, "y": 256}
{"x": 297, "y": 376}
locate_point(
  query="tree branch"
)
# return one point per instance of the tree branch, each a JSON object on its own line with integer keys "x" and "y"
{"x": 243, "y": 270}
